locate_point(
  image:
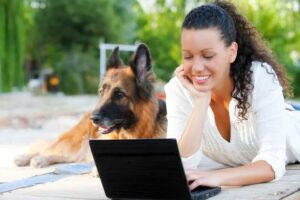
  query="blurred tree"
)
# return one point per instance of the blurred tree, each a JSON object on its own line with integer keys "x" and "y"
{"x": 2, "y": 35}
{"x": 11, "y": 44}
{"x": 66, "y": 23}
{"x": 83, "y": 77}
{"x": 68, "y": 32}
{"x": 160, "y": 29}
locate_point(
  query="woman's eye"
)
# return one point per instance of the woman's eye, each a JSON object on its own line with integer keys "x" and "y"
{"x": 187, "y": 57}
{"x": 208, "y": 57}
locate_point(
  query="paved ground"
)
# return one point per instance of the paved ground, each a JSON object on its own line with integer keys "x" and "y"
{"x": 25, "y": 118}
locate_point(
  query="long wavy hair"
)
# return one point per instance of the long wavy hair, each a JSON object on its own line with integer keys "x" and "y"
{"x": 233, "y": 26}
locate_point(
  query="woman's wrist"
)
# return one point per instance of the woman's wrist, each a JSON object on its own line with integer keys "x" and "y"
{"x": 203, "y": 99}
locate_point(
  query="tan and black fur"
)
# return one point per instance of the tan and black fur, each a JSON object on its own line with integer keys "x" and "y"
{"x": 127, "y": 108}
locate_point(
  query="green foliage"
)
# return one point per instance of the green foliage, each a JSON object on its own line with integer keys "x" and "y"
{"x": 67, "y": 34}
{"x": 64, "y": 35}
{"x": 11, "y": 44}
{"x": 2, "y": 36}
{"x": 161, "y": 31}
{"x": 77, "y": 71}
{"x": 72, "y": 22}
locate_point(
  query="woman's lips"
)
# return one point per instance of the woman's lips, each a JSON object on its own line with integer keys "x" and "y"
{"x": 201, "y": 79}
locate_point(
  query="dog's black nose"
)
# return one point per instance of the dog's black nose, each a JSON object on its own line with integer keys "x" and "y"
{"x": 96, "y": 118}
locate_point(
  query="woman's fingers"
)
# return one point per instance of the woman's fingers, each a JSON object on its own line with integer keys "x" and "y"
{"x": 195, "y": 184}
{"x": 197, "y": 178}
{"x": 186, "y": 82}
{"x": 178, "y": 69}
{"x": 194, "y": 178}
{"x": 190, "y": 175}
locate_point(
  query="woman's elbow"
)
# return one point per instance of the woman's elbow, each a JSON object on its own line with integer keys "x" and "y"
{"x": 267, "y": 172}
{"x": 270, "y": 175}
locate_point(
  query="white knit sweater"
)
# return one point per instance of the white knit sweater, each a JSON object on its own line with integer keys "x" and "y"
{"x": 270, "y": 133}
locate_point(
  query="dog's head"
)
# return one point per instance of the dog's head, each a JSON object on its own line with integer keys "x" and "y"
{"x": 122, "y": 89}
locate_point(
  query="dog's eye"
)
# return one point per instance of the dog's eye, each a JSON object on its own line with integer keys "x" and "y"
{"x": 119, "y": 94}
{"x": 100, "y": 91}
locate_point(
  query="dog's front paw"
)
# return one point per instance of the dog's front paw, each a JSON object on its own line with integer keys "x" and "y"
{"x": 22, "y": 160}
{"x": 39, "y": 162}
{"x": 94, "y": 172}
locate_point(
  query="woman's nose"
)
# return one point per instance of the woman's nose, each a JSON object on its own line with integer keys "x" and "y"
{"x": 198, "y": 65}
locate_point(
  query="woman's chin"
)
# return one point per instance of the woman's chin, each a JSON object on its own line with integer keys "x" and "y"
{"x": 202, "y": 88}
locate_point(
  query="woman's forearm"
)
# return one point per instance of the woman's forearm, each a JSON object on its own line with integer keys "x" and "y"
{"x": 190, "y": 140}
{"x": 253, "y": 173}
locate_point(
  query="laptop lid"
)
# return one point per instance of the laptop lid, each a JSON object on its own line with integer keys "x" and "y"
{"x": 141, "y": 169}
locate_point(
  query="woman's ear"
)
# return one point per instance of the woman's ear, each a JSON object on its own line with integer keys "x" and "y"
{"x": 233, "y": 52}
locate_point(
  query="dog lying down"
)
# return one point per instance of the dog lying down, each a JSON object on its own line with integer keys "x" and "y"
{"x": 127, "y": 108}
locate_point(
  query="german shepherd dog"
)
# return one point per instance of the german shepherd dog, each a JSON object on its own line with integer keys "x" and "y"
{"x": 127, "y": 108}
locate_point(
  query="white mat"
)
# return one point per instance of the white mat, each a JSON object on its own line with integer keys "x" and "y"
{"x": 60, "y": 172}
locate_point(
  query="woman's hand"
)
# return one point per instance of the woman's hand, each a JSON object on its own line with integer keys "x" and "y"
{"x": 197, "y": 178}
{"x": 187, "y": 83}
{"x": 252, "y": 173}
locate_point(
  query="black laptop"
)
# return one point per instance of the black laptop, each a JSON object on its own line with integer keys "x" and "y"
{"x": 144, "y": 169}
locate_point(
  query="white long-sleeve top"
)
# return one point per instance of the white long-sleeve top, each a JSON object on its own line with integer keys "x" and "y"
{"x": 270, "y": 133}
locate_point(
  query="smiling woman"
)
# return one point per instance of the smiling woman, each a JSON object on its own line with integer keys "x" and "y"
{"x": 217, "y": 102}
{"x": 203, "y": 55}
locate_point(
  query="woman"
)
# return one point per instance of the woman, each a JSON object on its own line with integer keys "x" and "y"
{"x": 226, "y": 101}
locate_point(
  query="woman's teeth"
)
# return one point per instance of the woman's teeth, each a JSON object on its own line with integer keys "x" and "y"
{"x": 201, "y": 79}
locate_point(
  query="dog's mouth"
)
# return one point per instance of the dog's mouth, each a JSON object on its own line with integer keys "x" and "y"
{"x": 105, "y": 125}
{"x": 106, "y": 129}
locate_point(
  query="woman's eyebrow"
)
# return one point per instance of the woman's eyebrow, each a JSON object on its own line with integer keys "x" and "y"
{"x": 206, "y": 49}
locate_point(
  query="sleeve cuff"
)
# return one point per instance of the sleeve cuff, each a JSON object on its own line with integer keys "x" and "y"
{"x": 277, "y": 162}
{"x": 193, "y": 161}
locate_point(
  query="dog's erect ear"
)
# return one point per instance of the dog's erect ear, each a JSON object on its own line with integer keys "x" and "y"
{"x": 141, "y": 62}
{"x": 114, "y": 60}
{"x": 141, "y": 66}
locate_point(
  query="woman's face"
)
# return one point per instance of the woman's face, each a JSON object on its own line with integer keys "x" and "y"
{"x": 206, "y": 59}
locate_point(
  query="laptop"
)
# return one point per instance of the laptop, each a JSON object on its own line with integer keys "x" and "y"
{"x": 144, "y": 169}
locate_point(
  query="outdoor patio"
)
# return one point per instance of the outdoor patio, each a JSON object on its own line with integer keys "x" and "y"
{"x": 45, "y": 117}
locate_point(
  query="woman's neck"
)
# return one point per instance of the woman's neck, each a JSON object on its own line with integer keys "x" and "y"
{"x": 223, "y": 93}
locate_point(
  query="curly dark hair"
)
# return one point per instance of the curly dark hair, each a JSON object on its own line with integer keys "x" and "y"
{"x": 233, "y": 26}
